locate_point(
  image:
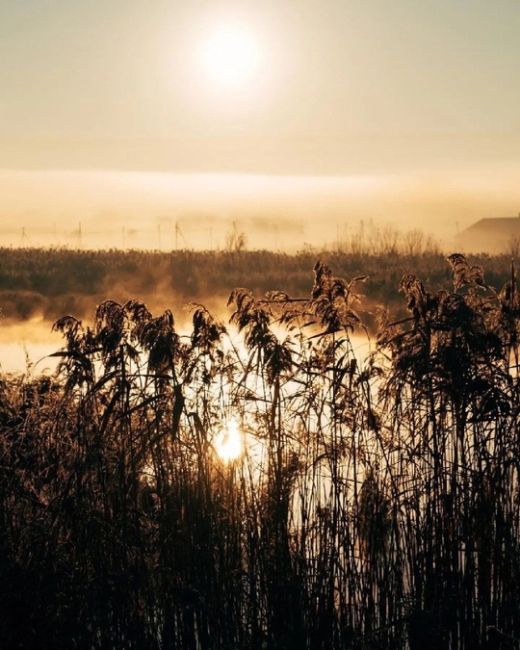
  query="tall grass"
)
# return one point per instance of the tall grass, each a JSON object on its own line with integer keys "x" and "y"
{"x": 376, "y": 504}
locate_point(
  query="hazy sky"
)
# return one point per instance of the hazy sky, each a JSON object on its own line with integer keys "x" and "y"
{"x": 340, "y": 86}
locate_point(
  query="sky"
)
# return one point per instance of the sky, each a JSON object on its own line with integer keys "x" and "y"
{"x": 340, "y": 87}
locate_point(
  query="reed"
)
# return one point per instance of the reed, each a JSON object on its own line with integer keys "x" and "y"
{"x": 374, "y": 502}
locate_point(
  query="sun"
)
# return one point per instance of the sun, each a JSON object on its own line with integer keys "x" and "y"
{"x": 231, "y": 56}
{"x": 228, "y": 443}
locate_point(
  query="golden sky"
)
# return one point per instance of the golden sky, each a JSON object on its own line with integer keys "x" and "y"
{"x": 336, "y": 87}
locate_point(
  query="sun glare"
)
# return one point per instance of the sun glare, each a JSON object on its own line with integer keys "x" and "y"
{"x": 231, "y": 55}
{"x": 229, "y": 443}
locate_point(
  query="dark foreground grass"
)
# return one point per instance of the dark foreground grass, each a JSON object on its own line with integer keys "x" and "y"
{"x": 376, "y": 504}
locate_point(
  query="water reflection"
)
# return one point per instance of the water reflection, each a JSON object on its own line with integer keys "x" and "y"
{"x": 26, "y": 346}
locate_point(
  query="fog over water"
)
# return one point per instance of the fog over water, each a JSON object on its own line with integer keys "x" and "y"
{"x": 167, "y": 211}
{"x": 106, "y": 209}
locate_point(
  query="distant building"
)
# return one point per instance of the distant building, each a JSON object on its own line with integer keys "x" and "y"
{"x": 500, "y": 235}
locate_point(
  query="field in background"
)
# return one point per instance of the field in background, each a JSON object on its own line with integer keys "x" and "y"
{"x": 41, "y": 285}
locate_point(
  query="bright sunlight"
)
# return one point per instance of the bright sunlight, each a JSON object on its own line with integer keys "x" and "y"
{"x": 231, "y": 55}
{"x": 228, "y": 443}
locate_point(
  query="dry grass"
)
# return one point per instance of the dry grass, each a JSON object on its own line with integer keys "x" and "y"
{"x": 50, "y": 283}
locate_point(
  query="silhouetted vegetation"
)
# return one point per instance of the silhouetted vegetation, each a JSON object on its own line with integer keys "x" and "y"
{"x": 376, "y": 504}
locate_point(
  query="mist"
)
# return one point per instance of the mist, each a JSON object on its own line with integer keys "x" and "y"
{"x": 151, "y": 210}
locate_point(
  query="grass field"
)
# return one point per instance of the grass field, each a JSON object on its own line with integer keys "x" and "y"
{"x": 49, "y": 283}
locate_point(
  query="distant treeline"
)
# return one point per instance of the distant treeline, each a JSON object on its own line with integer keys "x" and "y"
{"x": 49, "y": 283}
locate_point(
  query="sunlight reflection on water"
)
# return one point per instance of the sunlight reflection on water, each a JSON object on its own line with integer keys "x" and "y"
{"x": 16, "y": 357}
{"x": 28, "y": 344}
{"x": 32, "y": 342}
